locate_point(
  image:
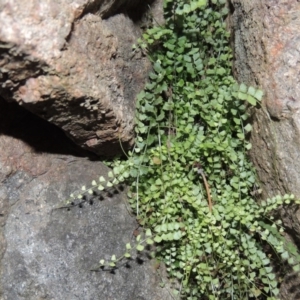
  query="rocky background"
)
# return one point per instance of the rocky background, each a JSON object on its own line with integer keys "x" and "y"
{"x": 47, "y": 253}
{"x": 70, "y": 63}
{"x": 266, "y": 38}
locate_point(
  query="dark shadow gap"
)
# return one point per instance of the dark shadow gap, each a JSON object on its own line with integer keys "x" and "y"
{"x": 136, "y": 10}
{"x": 39, "y": 134}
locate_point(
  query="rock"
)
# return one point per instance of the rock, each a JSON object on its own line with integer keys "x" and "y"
{"x": 47, "y": 253}
{"x": 267, "y": 43}
{"x": 66, "y": 64}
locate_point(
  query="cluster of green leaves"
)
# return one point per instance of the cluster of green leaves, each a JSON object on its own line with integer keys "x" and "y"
{"x": 192, "y": 114}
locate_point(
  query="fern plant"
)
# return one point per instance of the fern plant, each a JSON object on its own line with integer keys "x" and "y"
{"x": 191, "y": 182}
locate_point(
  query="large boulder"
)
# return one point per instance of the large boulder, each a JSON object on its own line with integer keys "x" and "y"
{"x": 267, "y": 55}
{"x": 47, "y": 253}
{"x": 65, "y": 63}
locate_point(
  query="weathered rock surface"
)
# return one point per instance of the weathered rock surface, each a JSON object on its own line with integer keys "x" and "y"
{"x": 267, "y": 52}
{"x": 63, "y": 62}
{"x": 46, "y": 253}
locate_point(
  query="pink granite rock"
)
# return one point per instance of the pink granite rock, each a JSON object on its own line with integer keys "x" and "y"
{"x": 267, "y": 53}
{"x": 63, "y": 62}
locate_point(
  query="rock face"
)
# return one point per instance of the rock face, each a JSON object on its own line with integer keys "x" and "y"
{"x": 267, "y": 53}
{"x": 46, "y": 253}
{"x": 63, "y": 62}
{"x": 72, "y": 64}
